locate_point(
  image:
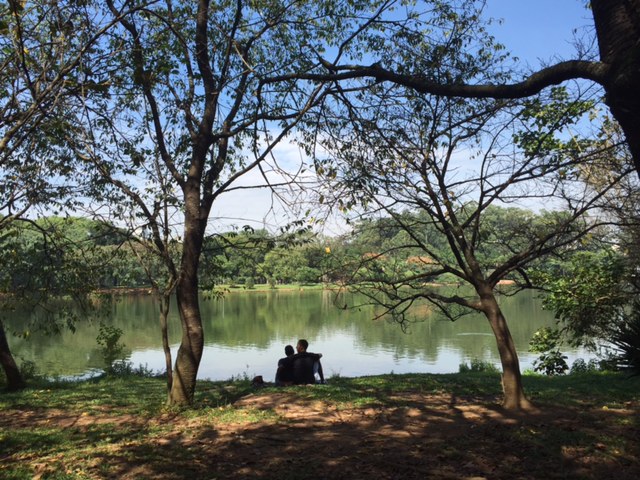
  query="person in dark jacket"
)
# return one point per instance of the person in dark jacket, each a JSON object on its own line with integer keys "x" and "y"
{"x": 284, "y": 374}
{"x": 304, "y": 364}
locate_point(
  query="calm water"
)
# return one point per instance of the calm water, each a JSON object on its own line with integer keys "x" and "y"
{"x": 245, "y": 333}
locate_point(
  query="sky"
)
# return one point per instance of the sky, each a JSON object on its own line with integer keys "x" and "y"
{"x": 536, "y": 31}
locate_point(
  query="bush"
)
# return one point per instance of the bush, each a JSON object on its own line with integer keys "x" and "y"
{"x": 551, "y": 360}
{"x": 29, "y": 370}
{"x": 626, "y": 342}
{"x": 122, "y": 368}
{"x": 109, "y": 340}
{"x": 580, "y": 366}
{"x": 476, "y": 365}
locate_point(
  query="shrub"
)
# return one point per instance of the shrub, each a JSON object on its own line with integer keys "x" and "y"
{"x": 109, "y": 340}
{"x": 476, "y": 365}
{"x": 122, "y": 368}
{"x": 29, "y": 370}
{"x": 551, "y": 360}
{"x": 626, "y": 342}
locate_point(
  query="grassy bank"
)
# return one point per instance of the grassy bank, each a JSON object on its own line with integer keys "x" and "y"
{"x": 262, "y": 287}
{"x": 390, "y": 426}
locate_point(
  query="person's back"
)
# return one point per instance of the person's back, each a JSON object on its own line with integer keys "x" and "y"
{"x": 284, "y": 374}
{"x": 302, "y": 364}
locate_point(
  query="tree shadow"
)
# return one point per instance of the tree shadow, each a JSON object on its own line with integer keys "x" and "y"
{"x": 428, "y": 436}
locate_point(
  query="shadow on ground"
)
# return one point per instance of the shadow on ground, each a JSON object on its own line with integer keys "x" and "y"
{"x": 428, "y": 436}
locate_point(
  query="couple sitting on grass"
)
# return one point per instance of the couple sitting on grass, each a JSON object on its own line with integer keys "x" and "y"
{"x": 299, "y": 368}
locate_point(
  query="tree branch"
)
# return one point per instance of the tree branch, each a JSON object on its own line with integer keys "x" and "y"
{"x": 534, "y": 83}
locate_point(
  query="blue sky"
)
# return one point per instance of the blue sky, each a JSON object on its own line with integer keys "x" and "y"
{"x": 538, "y": 29}
{"x": 535, "y": 31}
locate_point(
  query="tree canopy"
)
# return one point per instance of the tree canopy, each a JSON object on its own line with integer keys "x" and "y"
{"x": 146, "y": 113}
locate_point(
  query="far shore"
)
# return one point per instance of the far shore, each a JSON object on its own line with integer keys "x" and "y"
{"x": 259, "y": 287}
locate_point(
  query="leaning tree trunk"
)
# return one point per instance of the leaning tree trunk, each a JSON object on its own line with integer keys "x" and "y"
{"x": 11, "y": 371}
{"x": 617, "y": 25}
{"x": 192, "y": 343}
{"x": 514, "y": 397}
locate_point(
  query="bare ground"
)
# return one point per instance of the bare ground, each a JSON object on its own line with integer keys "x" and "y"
{"x": 430, "y": 436}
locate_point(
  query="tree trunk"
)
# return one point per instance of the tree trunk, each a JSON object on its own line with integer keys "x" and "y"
{"x": 165, "y": 303}
{"x": 191, "y": 346}
{"x": 11, "y": 371}
{"x": 192, "y": 343}
{"x": 514, "y": 397}
{"x": 617, "y": 25}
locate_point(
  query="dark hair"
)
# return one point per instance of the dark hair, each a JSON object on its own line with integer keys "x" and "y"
{"x": 303, "y": 343}
{"x": 288, "y": 350}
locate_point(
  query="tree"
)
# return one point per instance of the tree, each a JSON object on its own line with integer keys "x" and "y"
{"x": 50, "y": 266}
{"x": 233, "y": 255}
{"x": 187, "y": 116}
{"x": 593, "y": 292}
{"x": 284, "y": 265}
{"x": 617, "y": 71}
{"x": 42, "y": 67}
{"x": 594, "y": 298}
{"x": 451, "y": 161}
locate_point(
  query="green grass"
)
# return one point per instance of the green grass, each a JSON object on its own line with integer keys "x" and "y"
{"x": 146, "y": 396}
{"x": 262, "y": 287}
{"x": 604, "y": 389}
{"x": 134, "y": 417}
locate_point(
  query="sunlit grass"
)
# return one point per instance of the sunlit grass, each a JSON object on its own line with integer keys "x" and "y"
{"x": 135, "y": 421}
{"x": 594, "y": 388}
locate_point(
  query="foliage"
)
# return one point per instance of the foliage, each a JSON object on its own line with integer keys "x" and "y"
{"x": 44, "y": 50}
{"x": 625, "y": 339}
{"x": 249, "y": 283}
{"x": 166, "y": 105}
{"x": 52, "y": 257}
{"x": 110, "y": 346}
{"x": 587, "y": 293}
{"x": 123, "y": 368}
{"x": 551, "y": 361}
{"x": 580, "y": 366}
{"x": 476, "y": 365}
{"x": 592, "y": 295}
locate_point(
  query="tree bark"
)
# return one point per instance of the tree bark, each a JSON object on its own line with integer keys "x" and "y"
{"x": 11, "y": 371}
{"x": 617, "y": 25}
{"x": 192, "y": 343}
{"x": 165, "y": 303}
{"x": 514, "y": 397}
{"x": 191, "y": 347}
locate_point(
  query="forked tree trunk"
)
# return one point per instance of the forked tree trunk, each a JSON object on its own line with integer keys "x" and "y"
{"x": 514, "y": 397}
{"x": 11, "y": 371}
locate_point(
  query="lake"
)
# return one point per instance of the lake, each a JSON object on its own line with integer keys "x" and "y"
{"x": 245, "y": 334}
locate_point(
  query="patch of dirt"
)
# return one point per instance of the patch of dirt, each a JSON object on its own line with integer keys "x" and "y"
{"x": 429, "y": 436}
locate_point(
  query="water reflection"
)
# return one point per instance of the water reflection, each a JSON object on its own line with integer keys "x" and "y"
{"x": 245, "y": 334}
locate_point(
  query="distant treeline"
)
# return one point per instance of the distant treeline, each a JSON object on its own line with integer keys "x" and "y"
{"x": 60, "y": 254}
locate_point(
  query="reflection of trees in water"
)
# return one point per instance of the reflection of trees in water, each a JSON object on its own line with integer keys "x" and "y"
{"x": 258, "y": 319}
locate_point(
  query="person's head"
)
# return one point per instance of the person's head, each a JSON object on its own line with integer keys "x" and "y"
{"x": 302, "y": 345}
{"x": 288, "y": 350}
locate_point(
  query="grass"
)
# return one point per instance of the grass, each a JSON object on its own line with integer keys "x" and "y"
{"x": 121, "y": 427}
{"x": 605, "y": 389}
{"x": 262, "y": 287}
